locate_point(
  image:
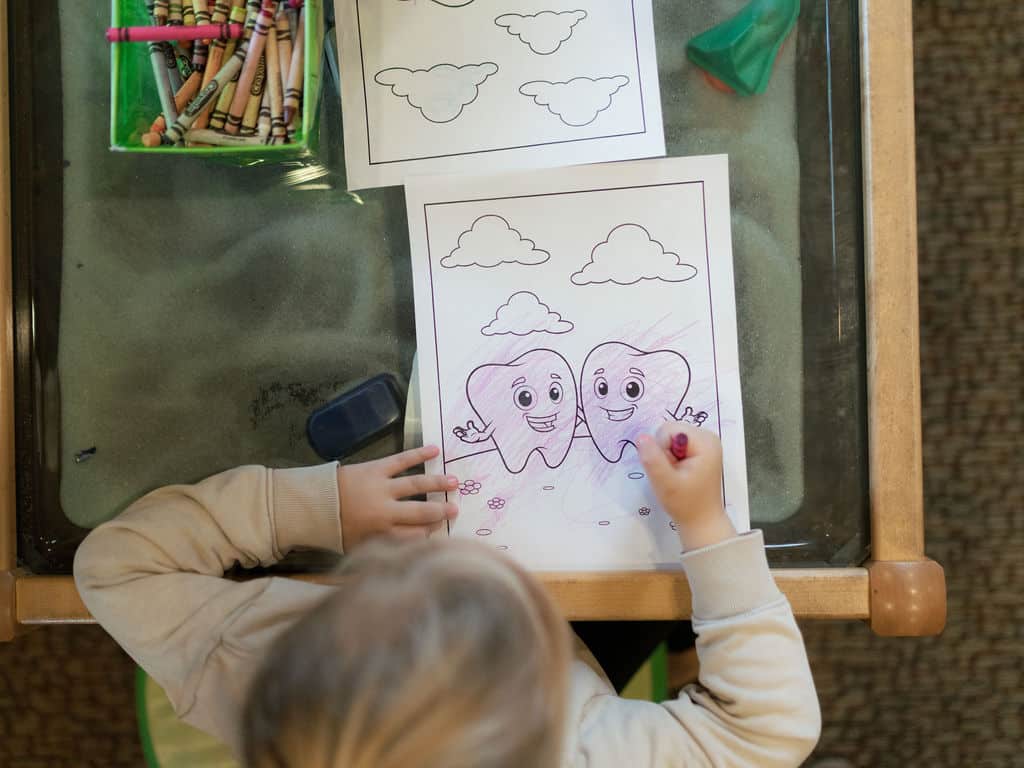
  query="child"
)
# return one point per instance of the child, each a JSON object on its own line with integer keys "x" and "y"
{"x": 433, "y": 653}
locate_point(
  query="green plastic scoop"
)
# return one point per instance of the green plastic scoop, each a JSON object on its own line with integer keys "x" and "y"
{"x": 741, "y": 52}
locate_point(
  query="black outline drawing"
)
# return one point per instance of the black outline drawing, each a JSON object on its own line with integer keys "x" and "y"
{"x": 476, "y": 263}
{"x": 462, "y": 4}
{"x": 407, "y": 96}
{"x": 536, "y": 96}
{"x": 471, "y": 434}
{"x": 508, "y": 27}
{"x": 391, "y": 160}
{"x": 633, "y": 260}
{"x": 631, "y": 410}
{"x": 445, "y": 460}
{"x": 543, "y": 307}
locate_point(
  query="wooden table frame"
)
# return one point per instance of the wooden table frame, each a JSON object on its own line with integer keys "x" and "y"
{"x": 900, "y": 591}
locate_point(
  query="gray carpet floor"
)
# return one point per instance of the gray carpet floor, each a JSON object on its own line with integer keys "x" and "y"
{"x": 956, "y": 700}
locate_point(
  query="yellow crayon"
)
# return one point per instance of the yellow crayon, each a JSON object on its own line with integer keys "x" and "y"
{"x": 188, "y": 16}
{"x": 263, "y": 124}
{"x": 247, "y": 125}
{"x": 161, "y": 11}
{"x": 277, "y": 127}
{"x": 293, "y": 93}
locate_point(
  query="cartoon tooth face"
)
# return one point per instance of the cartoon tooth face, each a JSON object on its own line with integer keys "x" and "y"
{"x": 529, "y": 405}
{"x": 627, "y": 392}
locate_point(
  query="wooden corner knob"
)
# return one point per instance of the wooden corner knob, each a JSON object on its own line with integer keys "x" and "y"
{"x": 908, "y": 598}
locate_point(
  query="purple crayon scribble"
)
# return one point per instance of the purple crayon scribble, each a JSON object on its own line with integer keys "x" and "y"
{"x": 645, "y": 511}
{"x": 483, "y": 531}
{"x": 496, "y": 503}
{"x": 605, "y": 522}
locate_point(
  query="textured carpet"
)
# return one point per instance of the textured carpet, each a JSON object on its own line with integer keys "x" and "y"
{"x": 957, "y": 700}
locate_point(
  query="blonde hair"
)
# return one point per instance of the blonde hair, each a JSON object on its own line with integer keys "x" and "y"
{"x": 432, "y": 654}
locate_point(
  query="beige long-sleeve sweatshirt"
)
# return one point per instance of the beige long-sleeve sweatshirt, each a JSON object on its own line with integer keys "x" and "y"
{"x": 153, "y": 578}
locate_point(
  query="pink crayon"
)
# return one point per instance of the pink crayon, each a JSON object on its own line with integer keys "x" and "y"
{"x": 173, "y": 33}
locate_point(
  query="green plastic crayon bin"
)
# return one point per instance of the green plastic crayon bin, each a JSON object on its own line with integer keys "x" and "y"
{"x": 134, "y": 102}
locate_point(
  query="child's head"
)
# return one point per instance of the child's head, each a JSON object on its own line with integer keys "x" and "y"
{"x": 433, "y": 654}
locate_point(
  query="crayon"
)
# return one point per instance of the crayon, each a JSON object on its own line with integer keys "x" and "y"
{"x": 200, "y": 48}
{"x": 237, "y": 16}
{"x": 185, "y": 66}
{"x": 219, "y": 114}
{"x": 680, "y": 443}
{"x": 188, "y": 15}
{"x": 252, "y": 105}
{"x": 184, "y": 95}
{"x": 176, "y": 131}
{"x": 174, "y": 17}
{"x": 263, "y": 124}
{"x": 220, "y": 32}
{"x": 254, "y": 55}
{"x": 273, "y": 86}
{"x": 217, "y": 139}
{"x": 216, "y": 56}
{"x": 160, "y": 12}
{"x": 171, "y": 63}
{"x": 284, "y": 46}
{"x": 163, "y": 84}
{"x": 293, "y": 93}
{"x": 202, "y": 9}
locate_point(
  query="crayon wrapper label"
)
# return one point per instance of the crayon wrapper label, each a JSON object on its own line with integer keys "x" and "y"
{"x": 198, "y": 104}
{"x": 258, "y": 79}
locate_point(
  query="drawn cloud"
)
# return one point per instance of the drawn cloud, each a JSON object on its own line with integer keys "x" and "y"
{"x": 544, "y": 32}
{"x": 452, "y": 3}
{"x": 577, "y": 102}
{"x": 524, "y": 314}
{"x": 492, "y": 241}
{"x": 441, "y": 92}
{"x": 630, "y": 255}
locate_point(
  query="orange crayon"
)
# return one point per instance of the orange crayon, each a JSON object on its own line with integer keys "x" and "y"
{"x": 184, "y": 95}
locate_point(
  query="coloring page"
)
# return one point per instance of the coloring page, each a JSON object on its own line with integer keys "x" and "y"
{"x": 561, "y": 314}
{"x": 478, "y": 86}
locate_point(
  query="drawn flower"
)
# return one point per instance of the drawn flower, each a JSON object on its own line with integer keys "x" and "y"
{"x": 469, "y": 488}
{"x": 496, "y": 503}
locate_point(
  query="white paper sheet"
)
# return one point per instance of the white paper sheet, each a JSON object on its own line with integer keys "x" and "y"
{"x": 560, "y": 314}
{"x": 466, "y": 86}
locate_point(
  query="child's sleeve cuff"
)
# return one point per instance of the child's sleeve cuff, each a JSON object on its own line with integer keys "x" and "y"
{"x": 306, "y": 509}
{"x": 730, "y": 578}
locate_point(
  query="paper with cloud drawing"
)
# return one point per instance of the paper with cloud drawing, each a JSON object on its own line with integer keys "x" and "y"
{"x": 470, "y": 86}
{"x": 560, "y": 314}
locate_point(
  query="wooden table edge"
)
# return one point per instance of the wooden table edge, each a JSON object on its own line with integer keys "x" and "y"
{"x": 815, "y": 593}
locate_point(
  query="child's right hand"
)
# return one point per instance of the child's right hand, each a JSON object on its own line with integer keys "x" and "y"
{"x": 689, "y": 490}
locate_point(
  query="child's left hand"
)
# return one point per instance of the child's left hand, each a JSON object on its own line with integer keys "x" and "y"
{"x": 374, "y": 501}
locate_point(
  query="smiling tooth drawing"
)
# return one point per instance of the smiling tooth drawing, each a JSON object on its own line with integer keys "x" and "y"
{"x": 627, "y": 392}
{"x": 527, "y": 406}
